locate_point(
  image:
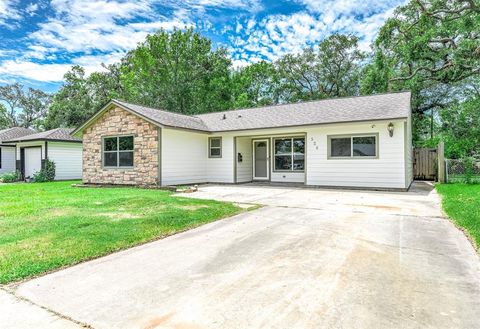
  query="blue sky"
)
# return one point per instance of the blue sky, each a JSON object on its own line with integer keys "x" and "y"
{"x": 40, "y": 40}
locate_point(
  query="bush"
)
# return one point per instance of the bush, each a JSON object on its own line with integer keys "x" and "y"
{"x": 9, "y": 177}
{"x": 46, "y": 174}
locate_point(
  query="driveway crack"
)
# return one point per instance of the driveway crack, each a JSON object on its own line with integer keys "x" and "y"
{"x": 49, "y": 310}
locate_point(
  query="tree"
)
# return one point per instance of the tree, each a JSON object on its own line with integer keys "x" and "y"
{"x": 436, "y": 40}
{"x": 331, "y": 71}
{"x": 12, "y": 95}
{"x": 178, "y": 72}
{"x": 26, "y": 109}
{"x": 4, "y": 122}
{"x": 34, "y": 105}
{"x": 431, "y": 48}
{"x": 82, "y": 96}
{"x": 255, "y": 85}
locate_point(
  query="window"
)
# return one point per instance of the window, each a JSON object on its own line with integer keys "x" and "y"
{"x": 215, "y": 147}
{"x": 118, "y": 151}
{"x": 353, "y": 146}
{"x": 289, "y": 154}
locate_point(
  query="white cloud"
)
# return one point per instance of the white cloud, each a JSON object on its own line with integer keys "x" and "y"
{"x": 348, "y": 7}
{"x": 91, "y": 25}
{"x": 8, "y": 12}
{"x": 34, "y": 71}
{"x": 53, "y": 72}
{"x": 90, "y": 32}
{"x": 277, "y": 35}
{"x": 31, "y": 8}
{"x": 203, "y": 5}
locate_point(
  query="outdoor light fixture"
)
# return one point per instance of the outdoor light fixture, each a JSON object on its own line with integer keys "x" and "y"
{"x": 390, "y": 129}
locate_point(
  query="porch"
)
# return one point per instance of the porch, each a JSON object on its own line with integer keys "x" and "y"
{"x": 271, "y": 158}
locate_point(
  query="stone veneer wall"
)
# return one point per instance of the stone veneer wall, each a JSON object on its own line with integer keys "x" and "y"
{"x": 117, "y": 122}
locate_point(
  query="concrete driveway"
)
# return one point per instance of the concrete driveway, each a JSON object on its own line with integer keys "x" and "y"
{"x": 309, "y": 258}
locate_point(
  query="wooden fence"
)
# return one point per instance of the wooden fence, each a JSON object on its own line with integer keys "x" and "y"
{"x": 425, "y": 163}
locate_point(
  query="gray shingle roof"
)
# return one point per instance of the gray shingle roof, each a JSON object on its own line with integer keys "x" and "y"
{"x": 348, "y": 109}
{"x": 337, "y": 110}
{"x": 166, "y": 118}
{"x": 58, "y": 134}
{"x": 14, "y": 132}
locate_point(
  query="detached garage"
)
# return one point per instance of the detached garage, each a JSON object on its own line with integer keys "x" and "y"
{"x": 57, "y": 145}
{"x": 7, "y": 151}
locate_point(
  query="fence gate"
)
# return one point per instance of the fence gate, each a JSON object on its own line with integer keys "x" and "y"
{"x": 425, "y": 163}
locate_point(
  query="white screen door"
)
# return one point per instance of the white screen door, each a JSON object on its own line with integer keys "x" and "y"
{"x": 33, "y": 160}
{"x": 260, "y": 160}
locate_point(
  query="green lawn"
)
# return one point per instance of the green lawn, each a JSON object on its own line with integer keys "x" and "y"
{"x": 50, "y": 225}
{"x": 461, "y": 202}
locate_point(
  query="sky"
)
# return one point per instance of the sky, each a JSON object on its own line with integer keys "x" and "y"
{"x": 41, "y": 40}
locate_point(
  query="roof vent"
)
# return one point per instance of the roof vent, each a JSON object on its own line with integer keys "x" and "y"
{"x": 239, "y": 116}
{"x": 224, "y": 117}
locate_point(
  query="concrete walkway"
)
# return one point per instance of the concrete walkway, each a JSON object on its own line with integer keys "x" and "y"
{"x": 309, "y": 258}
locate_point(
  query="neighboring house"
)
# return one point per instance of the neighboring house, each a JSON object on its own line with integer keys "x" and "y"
{"x": 7, "y": 151}
{"x": 56, "y": 145}
{"x": 350, "y": 142}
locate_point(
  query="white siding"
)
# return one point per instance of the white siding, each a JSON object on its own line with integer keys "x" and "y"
{"x": 8, "y": 159}
{"x": 184, "y": 157}
{"x": 409, "y": 153}
{"x": 388, "y": 171}
{"x": 220, "y": 170}
{"x": 67, "y": 158}
{"x": 244, "y": 168}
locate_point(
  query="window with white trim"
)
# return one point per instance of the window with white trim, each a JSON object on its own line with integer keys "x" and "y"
{"x": 362, "y": 146}
{"x": 289, "y": 154}
{"x": 215, "y": 147}
{"x": 118, "y": 152}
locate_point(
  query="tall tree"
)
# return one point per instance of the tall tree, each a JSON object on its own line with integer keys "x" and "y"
{"x": 255, "y": 85}
{"x": 12, "y": 95}
{"x": 4, "y": 122}
{"x": 179, "y": 72}
{"x": 24, "y": 108}
{"x": 431, "y": 47}
{"x": 35, "y": 104}
{"x": 332, "y": 70}
{"x": 82, "y": 95}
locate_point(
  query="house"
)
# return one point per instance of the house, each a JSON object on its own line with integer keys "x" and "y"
{"x": 7, "y": 151}
{"x": 363, "y": 141}
{"x": 57, "y": 145}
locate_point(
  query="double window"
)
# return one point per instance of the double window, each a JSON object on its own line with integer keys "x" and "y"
{"x": 118, "y": 152}
{"x": 353, "y": 146}
{"x": 289, "y": 154}
{"x": 215, "y": 147}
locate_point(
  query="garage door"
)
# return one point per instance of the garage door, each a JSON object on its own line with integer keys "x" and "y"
{"x": 33, "y": 160}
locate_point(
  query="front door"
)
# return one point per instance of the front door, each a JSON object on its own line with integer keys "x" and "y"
{"x": 260, "y": 160}
{"x": 33, "y": 160}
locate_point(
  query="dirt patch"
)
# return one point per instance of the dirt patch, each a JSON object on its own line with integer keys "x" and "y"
{"x": 58, "y": 212}
{"x": 193, "y": 208}
{"x": 115, "y": 216}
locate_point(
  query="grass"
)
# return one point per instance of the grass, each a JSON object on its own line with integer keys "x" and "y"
{"x": 461, "y": 202}
{"x": 460, "y": 178}
{"x": 50, "y": 225}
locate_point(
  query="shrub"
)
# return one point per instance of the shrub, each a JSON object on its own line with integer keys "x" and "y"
{"x": 9, "y": 177}
{"x": 46, "y": 174}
